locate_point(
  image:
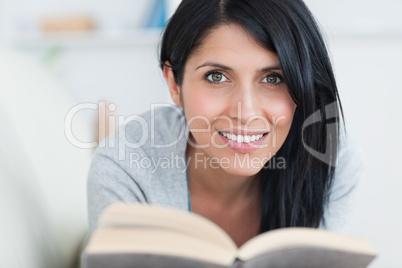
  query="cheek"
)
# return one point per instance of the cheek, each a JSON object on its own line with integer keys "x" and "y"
{"x": 281, "y": 110}
{"x": 197, "y": 114}
{"x": 281, "y": 114}
{"x": 198, "y": 103}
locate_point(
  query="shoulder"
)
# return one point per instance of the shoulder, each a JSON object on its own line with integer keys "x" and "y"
{"x": 350, "y": 167}
{"x": 348, "y": 172}
{"x": 142, "y": 162}
{"x": 163, "y": 123}
{"x": 140, "y": 142}
{"x": 145, "y": 134}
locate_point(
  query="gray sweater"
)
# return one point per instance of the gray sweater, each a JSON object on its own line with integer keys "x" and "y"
{"x": 144, "y": 161}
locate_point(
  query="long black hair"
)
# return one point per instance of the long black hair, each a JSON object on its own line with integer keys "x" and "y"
{"x": 297, "y": 194}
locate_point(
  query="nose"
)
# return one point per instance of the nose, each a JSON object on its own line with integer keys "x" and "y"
{"x": 245, "y": 104}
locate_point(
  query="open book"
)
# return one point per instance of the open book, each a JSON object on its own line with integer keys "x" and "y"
{"x": 134, "y": 235}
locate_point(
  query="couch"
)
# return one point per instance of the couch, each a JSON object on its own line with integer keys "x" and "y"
{"x": 42, "y": 175}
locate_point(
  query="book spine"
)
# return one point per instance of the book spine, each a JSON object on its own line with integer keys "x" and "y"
{"x": 237, "y": 264}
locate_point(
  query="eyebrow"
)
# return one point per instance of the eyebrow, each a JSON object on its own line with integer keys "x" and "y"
{"x": 221, "y": 66}
{"x": 213, "y": 64}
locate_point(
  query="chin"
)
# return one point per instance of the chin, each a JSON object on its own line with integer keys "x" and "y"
{"x": 242, "y": 171}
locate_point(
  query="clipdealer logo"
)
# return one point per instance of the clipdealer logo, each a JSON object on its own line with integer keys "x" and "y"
{"x": 148, "y": 130}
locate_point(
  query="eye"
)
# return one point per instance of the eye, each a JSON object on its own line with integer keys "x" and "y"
{"x": 216, "y": 77}
{"x": 272, "y": 79}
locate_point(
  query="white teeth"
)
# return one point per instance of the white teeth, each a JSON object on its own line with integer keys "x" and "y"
{"x": 241, "y": 138}
{"x": 246, "y": 139}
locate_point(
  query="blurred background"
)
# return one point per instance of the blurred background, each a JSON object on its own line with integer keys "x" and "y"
{"x": 56, "y": 54}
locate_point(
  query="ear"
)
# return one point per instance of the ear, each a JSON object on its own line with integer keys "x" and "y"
{"x": 173, "y": 87}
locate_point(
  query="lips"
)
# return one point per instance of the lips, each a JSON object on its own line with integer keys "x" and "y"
{"x": 243, "y": 141}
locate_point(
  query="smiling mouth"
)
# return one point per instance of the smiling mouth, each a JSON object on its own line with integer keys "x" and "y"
{"x": 242, "y": 138}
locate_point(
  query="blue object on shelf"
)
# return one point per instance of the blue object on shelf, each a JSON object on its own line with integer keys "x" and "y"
{"x": 158, "y": 15}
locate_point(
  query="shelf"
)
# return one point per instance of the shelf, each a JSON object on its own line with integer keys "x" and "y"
{"x": 87, "y": 39}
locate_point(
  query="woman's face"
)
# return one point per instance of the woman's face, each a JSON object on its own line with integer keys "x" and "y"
{"x": 236, "y": 102}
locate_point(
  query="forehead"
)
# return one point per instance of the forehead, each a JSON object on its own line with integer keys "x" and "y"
{"x": 231, "y": 42}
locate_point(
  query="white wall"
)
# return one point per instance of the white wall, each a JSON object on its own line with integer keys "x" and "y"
{"x": 358, "y": 17}
{"x": 117, "y": 63}
{"x": 368, "y": 73}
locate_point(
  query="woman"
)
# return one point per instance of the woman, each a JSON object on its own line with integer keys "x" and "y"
{"x": 255, "y": 87}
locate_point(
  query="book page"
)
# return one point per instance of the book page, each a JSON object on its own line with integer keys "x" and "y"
{"x": 287, "y": 238}
{"x": 158, "y": 242}
{"x": 126, "y": 215}
{"x": 309, "y": 257}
